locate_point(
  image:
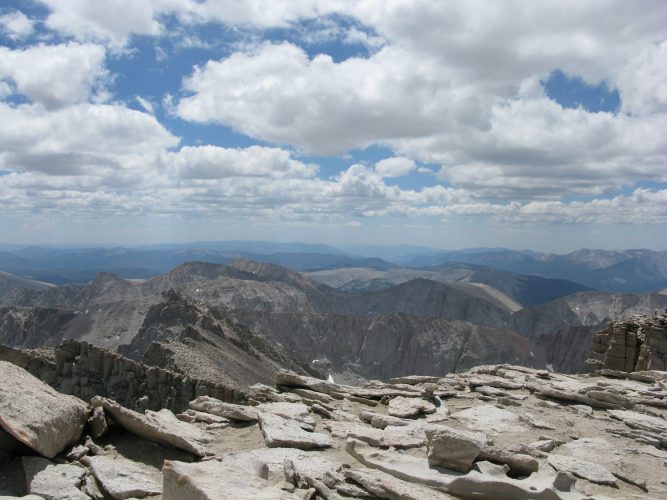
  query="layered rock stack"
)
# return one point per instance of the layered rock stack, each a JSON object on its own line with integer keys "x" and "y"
{"x": 635, "y": 344}
{"x": 83, "y": 370}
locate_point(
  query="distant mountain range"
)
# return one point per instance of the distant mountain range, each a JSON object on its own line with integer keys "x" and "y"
{"x": 200, "y": 314}
{"x": 523, "y": 289}
{"x": 635, "y": 271}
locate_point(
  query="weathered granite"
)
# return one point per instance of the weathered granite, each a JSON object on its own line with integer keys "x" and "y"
{"x": 36, "y": 415}
{"x": 162, "y": 427}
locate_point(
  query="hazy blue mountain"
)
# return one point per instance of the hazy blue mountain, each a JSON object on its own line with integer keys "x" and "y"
{"x": 611, "y": 270}
{"x": 249, "y": 246}
{"x": 524, "y": 289}
{"x": 80, "y": 265}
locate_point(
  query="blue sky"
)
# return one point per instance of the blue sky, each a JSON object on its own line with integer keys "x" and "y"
{"x": 448, "y": 124}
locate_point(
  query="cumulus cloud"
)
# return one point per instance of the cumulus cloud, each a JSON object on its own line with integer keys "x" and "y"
{"x": 56, "y": 75}
{"x": 643, "y": 82}
{"x": 212, "y": 162}
{"x": 111, "y": 21}
{"x": 278, "y": 93}
{"x": 79, "y": 139}
{"x": 395, "y": 167}
{"x": 452, "y": 84}
{"x": 16, "y": 25}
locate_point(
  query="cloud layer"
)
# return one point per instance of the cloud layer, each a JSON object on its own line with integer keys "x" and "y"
{"x": 451, "y": 93}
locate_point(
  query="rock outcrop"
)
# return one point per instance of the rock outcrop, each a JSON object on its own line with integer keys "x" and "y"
{"x": 36, "y": 415}
{"x": 83, "y": 370}
{"x": 636, "y": 344}
{"x": 498, "y": 431}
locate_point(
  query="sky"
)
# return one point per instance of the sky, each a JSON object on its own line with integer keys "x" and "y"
{"x": 519, "y": 124}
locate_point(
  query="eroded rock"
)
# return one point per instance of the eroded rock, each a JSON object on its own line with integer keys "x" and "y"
{"x": 228, "y": 410}
{"x": 403, "y": 407}
{"x": 162, "y": 427}
{"x": 213, "y": 480}
{"x": 122, "y": 478}
{"x": 53, "y": 481}
{"x": 593, "y": 472}
{"x": 36, "y": 415}
{"x": 281, "y": 432}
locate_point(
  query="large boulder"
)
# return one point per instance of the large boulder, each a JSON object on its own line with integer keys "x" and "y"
{"x": 162, "y": 426}
{"x": 122, "y": 478}
{"x": 37, "y": 415}
{"x": 53, "y": 481}
{"x": 212, "y": 480}
{"x": 280, "y": 432}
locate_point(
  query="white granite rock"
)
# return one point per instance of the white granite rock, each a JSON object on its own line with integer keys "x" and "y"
{"x": 122, "y": 478}
{"x": 53, "y": 481}
{"x": 281, "y": 432}
{"x": 162, "y": 426}
{"x": 36, "y": 415}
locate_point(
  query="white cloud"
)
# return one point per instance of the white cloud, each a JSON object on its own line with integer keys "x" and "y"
{"x": 395, "y": 167}
{"x": 643, "y": 82}
{"x": 17, "y": 25}
{"x": 110, "y": 21}
{"x": 145, "y": 104}
{"x": 56, "y": 75}
{"x": 81, "y": 139}
{"x": 212, "y": 162}
{"x": 278, "y": 94}
{"x": 455, "y": 84}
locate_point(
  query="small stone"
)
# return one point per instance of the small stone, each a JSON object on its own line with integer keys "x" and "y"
{"x": 97, "y": 423}
{"x": 454, "y": 449}
{"x": 403, "y": 407}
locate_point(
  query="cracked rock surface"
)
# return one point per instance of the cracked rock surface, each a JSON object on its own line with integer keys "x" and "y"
{"x": 496, "y": 431}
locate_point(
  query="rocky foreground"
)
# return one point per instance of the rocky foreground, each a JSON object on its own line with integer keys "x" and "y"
{"x": 492, "y": 432}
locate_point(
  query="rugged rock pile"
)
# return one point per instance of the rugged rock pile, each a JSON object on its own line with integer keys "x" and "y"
{"x": 497, "y": 431}
{"x": 636, "y": 344}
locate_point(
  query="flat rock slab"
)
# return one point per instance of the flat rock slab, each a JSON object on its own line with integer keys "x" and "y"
{"x": 52, "y": 481}
{"x": 489, "y": 418}
{"x": 414, "y": 380}
{"x": 280, "y": 432}
{"x": 641, "y": 421}
{"x": 593, "y": 472}
{"x": 231, "y": 411}
{"x": 122, "y": 478}
{"x": 381, "y": 421}
{"x": 312, "y": 463}
{"x": 162, "y": 427}
{"x": 291, "y": 379}
{"x": 293, "y": 411}
{"x": 402, "y": 407}
{"x": 385, "y": 485}
{"x": 397, "y": 437}
{"x": 489, "y": 482}
{"x": 212, "y": 480}
{"x": 36, "y": 415}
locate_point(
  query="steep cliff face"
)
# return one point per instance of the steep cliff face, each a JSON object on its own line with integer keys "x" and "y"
{"x": 200, "y": 341}
{"x": 33, "y": 326}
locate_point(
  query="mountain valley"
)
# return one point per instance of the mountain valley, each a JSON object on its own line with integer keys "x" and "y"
{"x": 244, "y": 320}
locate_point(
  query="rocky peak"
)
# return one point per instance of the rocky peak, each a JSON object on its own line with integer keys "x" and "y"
{"x": 496, "y": 431}
{"x": 636, "y": 344}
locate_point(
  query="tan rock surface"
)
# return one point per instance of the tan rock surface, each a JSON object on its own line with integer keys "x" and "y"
{"x": 37, "y": 415}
